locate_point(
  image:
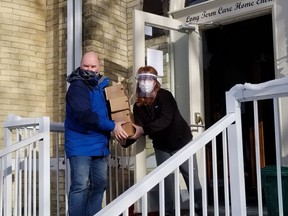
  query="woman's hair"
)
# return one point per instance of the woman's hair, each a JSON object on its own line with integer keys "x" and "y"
{"x": 143, "y": 99}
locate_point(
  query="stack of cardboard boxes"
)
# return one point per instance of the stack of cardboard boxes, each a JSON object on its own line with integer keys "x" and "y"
{"x": 120, "y": 109}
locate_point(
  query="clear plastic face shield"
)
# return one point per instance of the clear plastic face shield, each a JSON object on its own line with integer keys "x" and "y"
{"x": 146, "y": 83}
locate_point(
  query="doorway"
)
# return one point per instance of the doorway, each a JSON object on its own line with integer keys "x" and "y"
{"x": 235, "y": 54}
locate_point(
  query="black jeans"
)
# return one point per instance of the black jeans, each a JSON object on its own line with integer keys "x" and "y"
{"x": 162, "y": 156}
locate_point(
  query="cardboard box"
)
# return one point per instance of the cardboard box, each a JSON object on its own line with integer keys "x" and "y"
{"x": 114, "y": 91}
{"x": 123, "y": 115}
{"x": 118, "y": 104}
{"x": 129, "y": 129}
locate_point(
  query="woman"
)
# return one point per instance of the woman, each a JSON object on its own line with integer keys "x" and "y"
{"x": 156, "y": 114}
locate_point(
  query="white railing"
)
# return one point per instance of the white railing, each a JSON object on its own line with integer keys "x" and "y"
{"x": 25, "y": 160}
{"x": 275, "y": 91}
{"x": 230, "y": 129}
{"x": 20, "y": 161}
{"x": 120, "y": 170}
{"x": 139, "y": 191}
{"x": 25, "y": 167}
{"x": 58, "y": 170}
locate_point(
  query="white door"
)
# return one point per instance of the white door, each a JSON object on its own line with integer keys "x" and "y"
{"x": 178, "y": 48}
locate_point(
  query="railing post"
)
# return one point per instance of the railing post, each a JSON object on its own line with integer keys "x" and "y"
{"x": 44, "y": 167}
{"x": 8, "y": 174}
{"x": 236, "y": 165}
{"x": 140, "y": 165}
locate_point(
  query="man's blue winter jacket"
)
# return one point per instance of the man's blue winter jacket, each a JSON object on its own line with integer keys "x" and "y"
{"x": 87, "y": 123}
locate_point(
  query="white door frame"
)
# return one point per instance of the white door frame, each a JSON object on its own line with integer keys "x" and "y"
{"x": 74, "y": 35}
{"x": 140, "y": 20}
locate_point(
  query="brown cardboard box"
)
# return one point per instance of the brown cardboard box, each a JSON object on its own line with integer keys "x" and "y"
{"x": 120, "y": 109}
{"x": 129, "y": 129}
{"x": 114, "y": 91}
{"x": 118, "y": 104}
{"x": 123, "y": 115}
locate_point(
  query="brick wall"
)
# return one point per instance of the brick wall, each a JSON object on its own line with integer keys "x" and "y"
{"x": 33, "y": 51}
{"x": 107, "y": 30}
{"x": 56, "y": 29}
{"x": 22, "y": 59}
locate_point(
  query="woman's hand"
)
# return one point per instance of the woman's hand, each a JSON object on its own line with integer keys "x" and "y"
{"x": 138, "y": 132}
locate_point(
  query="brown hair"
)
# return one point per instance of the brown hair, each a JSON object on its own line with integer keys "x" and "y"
{"x": 140, "y": 100}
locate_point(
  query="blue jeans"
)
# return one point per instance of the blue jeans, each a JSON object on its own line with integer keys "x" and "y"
{"x": 88, "y": 183}
{"x": 162, "y": 156}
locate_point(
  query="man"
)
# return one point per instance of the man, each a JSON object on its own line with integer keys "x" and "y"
{"x": 87, "y": 133}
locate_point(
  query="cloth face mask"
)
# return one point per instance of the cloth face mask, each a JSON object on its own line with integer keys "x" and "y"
{"x": 146, "y": 86}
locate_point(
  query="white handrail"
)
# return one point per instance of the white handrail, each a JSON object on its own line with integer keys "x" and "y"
{"x": 140, "y": 189}
{"x": 25, "y": 166}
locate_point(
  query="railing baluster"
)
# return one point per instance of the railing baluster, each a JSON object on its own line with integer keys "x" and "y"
{"x": 177, "y": 191}
{"x": 34, "y": 178}
{"x": 204, "y": 186}
{"x": 1, "y": 185}
{"x": 225, "y": 173}
{"x": 191, "y": 186}
{"x": 116, "y": 169}
{"x": 215, "y": 177}
{"x": 278, "y": 155}
{"x": 145, "y": 205}
{"x": 161, "y": 197}
{"x": 257, "y": 156}
{"x": 30, "y": 179}
{"x": 20, "y": 183}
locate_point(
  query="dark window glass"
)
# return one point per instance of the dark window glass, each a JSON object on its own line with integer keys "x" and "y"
{"x": 159, "y": 7}
{"x": 193, "y": 2}
{"x": 153, "y": 6}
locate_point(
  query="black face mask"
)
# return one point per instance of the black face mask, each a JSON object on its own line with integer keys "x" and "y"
{"x": 88, "y": 75}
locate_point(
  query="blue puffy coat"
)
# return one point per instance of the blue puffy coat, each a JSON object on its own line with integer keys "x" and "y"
{"x": 87, "y": 123}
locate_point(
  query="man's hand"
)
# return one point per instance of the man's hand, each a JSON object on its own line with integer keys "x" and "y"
{"x": 119, "y": 132}
{"x": 138, "y": 132}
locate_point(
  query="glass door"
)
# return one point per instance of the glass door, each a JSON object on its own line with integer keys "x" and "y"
{"x": 165, "y": 43}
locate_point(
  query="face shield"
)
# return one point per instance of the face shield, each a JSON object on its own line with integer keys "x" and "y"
{"x": 146, "y": 76}
{"x": 146, "y": 83}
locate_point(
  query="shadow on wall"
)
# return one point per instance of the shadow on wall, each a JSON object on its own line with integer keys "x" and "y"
{"x": 118, "y": 74}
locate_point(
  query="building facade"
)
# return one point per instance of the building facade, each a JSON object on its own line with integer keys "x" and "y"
{"x": 208, "y": 46}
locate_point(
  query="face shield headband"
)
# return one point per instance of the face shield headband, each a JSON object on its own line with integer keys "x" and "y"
{"x": 146, "y": 76}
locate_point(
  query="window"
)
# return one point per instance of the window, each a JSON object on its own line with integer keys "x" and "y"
{"x": 159, "y": 7}
{"x": 193, "y": 2}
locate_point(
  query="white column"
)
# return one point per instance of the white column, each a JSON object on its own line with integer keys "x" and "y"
{"x": 236, "y": 164}
{"x": 74, "y": 34}
{"x": 280, "y": 34}
{"x": 44, "y": 167}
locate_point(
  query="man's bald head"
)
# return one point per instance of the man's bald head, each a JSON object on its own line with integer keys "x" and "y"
{"x": 90, "y": 61}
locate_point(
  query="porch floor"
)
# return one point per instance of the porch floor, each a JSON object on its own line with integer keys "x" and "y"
{"x": 251, "y": 211}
